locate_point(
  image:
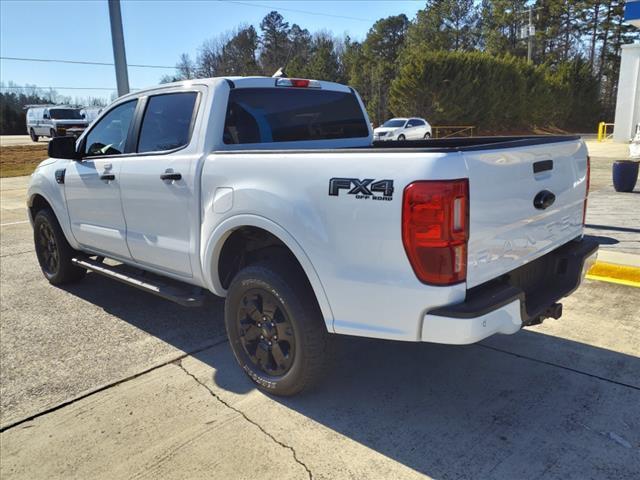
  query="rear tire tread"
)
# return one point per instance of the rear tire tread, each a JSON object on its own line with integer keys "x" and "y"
{"x": 313, "y": 342}
{"x": 67, "y": 272}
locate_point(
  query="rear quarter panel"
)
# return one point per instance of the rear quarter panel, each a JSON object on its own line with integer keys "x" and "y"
{"x": 354, "y": 245}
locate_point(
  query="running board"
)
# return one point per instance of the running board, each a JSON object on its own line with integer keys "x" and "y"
{"x": 183, "y": 294}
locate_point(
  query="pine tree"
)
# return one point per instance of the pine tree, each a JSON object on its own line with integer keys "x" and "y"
{"x": 446, "y": 25}
{"x": 275, "y": 42}
{"x": 238, "y": 54}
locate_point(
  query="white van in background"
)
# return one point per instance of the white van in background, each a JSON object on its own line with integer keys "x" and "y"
{"x": 54, "y": 120}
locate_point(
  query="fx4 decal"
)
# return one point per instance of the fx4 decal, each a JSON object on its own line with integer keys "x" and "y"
{"x": 362, "y": 189}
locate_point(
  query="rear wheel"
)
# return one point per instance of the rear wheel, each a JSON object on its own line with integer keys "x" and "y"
{"x": 401, "y": 138}
{"x": 275, "y": 327}
{"x": 53, "y": 251}
{"x": 32, "y": 134}
{"x": 427, "y": 136}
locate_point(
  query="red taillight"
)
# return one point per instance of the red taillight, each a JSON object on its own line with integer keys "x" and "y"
{"x": 586, "y": 193}
{"x": 435, "y": 229}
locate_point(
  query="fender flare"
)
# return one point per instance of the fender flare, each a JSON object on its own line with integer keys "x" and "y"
{"x": 215, "y": 242}
{"x": 59, "y": 211}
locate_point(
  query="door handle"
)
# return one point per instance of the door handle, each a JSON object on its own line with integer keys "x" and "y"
{"x": 170, "y": 176}
{"x": 107, "y": 176}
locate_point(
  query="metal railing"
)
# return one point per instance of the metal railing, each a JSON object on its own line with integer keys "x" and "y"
{"x": 446, "y": 131}
{"x": 603, "y": 131}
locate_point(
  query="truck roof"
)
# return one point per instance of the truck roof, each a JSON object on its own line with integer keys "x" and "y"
{"x": 236, "y": 81}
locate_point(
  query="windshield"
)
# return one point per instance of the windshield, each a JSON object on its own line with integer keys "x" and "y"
{"x": 65, "y": 114}
{"x": 394, "y": 123}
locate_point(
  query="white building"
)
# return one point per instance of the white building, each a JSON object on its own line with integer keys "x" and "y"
{"x": 628, "y": 100}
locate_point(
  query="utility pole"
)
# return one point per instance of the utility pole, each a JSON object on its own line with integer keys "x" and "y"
{"x": 119, "y": 55}
{"x": 529, "y": 35}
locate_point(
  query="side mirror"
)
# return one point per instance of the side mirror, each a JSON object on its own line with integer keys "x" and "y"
{"x": 46, "y": 116}
{"x": 63, "y": 147}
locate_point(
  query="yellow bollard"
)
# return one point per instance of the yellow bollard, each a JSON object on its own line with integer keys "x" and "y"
{"x": 601, "y": 127}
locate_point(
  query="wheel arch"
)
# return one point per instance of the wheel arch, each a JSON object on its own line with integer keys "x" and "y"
{"x": 229, "y": 229}
{"x": 37, "y": 202}
{"x": 37, "y": 199}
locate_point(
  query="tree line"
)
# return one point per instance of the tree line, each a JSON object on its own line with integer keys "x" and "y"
{"x": 457, "y": 61}
{"x": 12, "y": 105}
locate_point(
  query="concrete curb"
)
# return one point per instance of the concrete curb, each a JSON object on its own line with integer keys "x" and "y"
{"x": 616, "y": 267}
{"x": 618, "y": 258}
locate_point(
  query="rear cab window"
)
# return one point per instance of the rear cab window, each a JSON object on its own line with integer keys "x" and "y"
{"x": 271, "y": 115}
{"x": 167, "y": 122}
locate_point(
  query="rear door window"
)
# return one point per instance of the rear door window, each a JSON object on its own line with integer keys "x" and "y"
{"x": 268, "y": 115}
{"x": 166, "y": 124}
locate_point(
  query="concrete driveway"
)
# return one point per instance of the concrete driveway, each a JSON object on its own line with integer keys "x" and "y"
{"x": 11, "y": 140}
{"x": 102, "y": 381}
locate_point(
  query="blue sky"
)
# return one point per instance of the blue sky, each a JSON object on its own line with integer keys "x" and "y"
{"x": 156, "y": 33}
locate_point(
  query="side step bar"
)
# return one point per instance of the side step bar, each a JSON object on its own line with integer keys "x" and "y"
{"x": 183, "y": 294}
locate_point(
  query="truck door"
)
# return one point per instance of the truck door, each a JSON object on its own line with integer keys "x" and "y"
{"x": 159, "y": 184}
{"x": 92, "y": 186}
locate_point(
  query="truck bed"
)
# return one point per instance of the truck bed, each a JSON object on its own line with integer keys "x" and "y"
{"x": 439, "y": 145}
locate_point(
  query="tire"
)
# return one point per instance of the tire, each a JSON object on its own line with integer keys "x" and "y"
{"x": 32, "y": 134}
{"x": 53, "y": 251}
{"x": 289, "y": 352}
{"x": 401, "y": 138}
{"x": 427, "y": 136}
{"x": 52, "y": 133}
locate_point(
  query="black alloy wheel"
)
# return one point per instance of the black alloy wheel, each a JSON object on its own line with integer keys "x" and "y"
{"x": 48, "y": 252}
{"x": 54, "y": 253}
{"x": 266, "y": 333}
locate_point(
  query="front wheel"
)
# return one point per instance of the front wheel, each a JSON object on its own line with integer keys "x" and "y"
{"x": 53, "y": 251}
{"x": 275, "y": 328}
{"x": 52, "y": 133}
{"x": 401, "y": 138}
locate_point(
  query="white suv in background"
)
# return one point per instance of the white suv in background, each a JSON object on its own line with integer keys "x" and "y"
{"x": 403, "y": 129}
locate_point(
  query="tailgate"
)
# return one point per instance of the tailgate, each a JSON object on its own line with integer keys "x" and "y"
{"x": 506, "y": 230}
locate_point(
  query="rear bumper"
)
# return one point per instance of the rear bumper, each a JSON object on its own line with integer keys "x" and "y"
{"x": 525, "y": 296}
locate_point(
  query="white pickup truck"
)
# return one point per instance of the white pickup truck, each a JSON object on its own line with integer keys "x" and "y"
{"x": 270, "y": 192}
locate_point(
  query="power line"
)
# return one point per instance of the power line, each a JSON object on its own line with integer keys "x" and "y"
{"x": 262, "y": 5}
{"x": 80, "y": 62}
{"x": 16, "y": 87}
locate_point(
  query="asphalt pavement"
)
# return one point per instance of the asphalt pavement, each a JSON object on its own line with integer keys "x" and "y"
{"x": 102, "y": 381}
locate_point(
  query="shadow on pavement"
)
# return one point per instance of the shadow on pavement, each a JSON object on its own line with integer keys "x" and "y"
{"x": 187, "y": 329}
{"x": 472, "y": 411}
{"x": 477, "y": 411}
{"x": 603, "y": 240}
